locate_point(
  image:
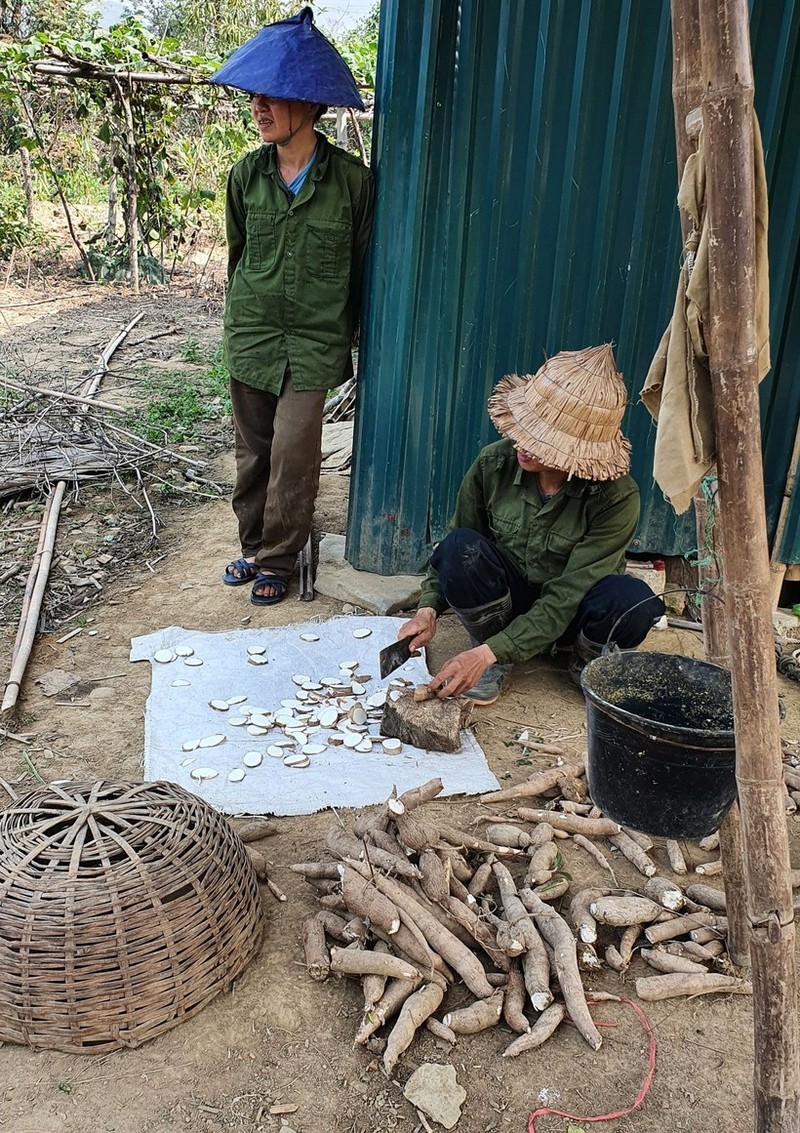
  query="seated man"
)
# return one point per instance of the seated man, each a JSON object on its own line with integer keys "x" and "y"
{"x": 535, "y": 553}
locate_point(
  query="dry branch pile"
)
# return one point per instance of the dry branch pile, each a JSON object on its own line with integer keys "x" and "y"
{"x": 426, "y": 915}
{"x": 36, "y": 451}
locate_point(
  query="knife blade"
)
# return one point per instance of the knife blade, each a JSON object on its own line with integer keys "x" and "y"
{"x": 394, "y": 655}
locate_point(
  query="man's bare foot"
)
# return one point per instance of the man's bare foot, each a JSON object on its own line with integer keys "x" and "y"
{"x": 240, "y": 571}
{"x": 268, "y": 589}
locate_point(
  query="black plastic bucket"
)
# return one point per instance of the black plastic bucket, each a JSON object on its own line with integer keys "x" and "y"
{"x": 661, "y": 746}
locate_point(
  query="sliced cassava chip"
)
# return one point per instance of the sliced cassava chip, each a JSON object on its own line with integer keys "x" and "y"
{"x": 211, "y": 741}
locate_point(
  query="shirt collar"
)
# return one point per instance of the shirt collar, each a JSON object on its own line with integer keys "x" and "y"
{"x": 267, "y": 159}
{"x": 575, "y": 486}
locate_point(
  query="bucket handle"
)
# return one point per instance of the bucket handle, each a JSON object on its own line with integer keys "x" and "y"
{"x": 611, "y": 646}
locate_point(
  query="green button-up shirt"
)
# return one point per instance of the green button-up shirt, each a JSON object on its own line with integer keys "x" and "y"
{"x": 294, "y": 268}
{"x": 565, "y": 544}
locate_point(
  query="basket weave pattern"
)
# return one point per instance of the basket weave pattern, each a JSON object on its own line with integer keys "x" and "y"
{"x": 567, "y": 414}
{"x": 124, "y": 909}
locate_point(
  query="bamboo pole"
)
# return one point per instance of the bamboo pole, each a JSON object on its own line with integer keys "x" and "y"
{"x": 130, "y": 187}
{"x": 687, "y": 94}
{"x": 25, "y": 637}
{"x": 728, "y": 124}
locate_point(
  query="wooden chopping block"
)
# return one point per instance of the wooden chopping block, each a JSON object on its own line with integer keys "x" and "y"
{"x": 433, "y": 724}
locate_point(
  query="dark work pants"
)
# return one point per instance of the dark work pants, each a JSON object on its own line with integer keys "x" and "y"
{"x": 278, "y": 458}
{"x": 472, "y": 572}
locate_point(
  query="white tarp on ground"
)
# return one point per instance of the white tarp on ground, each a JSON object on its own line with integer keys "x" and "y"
{"x": 176, "y": 714}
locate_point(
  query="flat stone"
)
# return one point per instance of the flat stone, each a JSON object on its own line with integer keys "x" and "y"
{"x": 55, "y": 681}
{"x": 337, "y": 437}
{"x": 434, "y": 1089}
{"x": 102, "y": 692}
{"x": 381, "y": 594}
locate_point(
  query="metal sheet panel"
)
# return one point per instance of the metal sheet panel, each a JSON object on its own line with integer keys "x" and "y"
{"x": 525, "y": 159}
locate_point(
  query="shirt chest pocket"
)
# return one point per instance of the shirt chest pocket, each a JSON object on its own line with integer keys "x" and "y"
{"x": 329, "y": 244}
{"x": 561, "y": 545}
{"x": 262, "y": 239}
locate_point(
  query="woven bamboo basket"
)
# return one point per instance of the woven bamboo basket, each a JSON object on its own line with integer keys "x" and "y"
{"x": 124, "y": 909}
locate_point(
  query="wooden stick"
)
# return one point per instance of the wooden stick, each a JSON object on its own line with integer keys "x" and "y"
{"x": 734, "y": 367}
{"x": 62, "y": 395}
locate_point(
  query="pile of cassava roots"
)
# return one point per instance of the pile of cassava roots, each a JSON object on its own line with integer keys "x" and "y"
{"x": 425, "y": 915}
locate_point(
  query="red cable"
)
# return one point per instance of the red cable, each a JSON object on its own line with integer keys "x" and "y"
{"x": 651, "y": 1068}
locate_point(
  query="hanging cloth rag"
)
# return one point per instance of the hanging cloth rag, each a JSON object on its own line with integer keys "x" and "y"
{"x": 677, "y": 389}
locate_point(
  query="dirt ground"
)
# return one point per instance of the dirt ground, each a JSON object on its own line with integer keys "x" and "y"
{"x": 278, "y": 1038}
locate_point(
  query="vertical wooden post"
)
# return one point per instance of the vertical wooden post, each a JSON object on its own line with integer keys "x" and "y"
{"x": 130, "y": 186}
{"x": 687, "y": 94}
{"x": 341, "y": 127}
{"x": 730, "y": 195}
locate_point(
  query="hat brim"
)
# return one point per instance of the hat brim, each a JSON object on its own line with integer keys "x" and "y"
{"x": 590, "y": 460}
{"x": 293, "y": 61}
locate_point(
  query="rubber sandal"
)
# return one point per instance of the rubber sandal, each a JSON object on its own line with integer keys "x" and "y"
{"x": 261, "y": 579}
{"x": 247, "y": 572}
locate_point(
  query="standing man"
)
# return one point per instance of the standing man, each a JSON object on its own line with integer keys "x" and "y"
{"x": 536, "y": 551}
{"x": 298, "y": 221}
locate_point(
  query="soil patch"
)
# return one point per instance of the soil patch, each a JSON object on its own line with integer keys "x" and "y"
{"x": 278, "y": 1039}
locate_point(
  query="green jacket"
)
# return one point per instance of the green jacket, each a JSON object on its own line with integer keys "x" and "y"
{"x": 564, "y": 545}
{"x": 294, "y": 268}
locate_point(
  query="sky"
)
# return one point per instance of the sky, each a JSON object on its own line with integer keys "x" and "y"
{"x": 332, "y": 16}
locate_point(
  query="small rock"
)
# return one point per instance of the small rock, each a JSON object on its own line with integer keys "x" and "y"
{"x": 102, "y": 693}
{"x": 435, "y": 1090}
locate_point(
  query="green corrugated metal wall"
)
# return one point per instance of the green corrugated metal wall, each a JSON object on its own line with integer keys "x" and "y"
{"x": 526, "y": 163}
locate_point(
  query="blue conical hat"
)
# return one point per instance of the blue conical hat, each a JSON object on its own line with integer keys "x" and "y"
{"x": 292, "y": 60}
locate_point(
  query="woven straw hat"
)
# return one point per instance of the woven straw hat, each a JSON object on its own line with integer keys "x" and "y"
{"x": 568, "y": 414}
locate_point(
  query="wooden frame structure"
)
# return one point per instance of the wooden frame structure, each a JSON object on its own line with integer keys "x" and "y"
{"x": 712, "y": 69}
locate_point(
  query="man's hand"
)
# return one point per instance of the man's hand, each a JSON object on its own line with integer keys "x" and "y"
{"x": 421, "y": 628}
{"x": 462, "y": 672}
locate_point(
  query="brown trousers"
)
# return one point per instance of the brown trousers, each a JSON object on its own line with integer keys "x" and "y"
{"x": 278, "y": 458}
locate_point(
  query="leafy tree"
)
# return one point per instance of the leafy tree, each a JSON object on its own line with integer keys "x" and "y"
{"x": 359, "y": 48}
{"x": 214, "y": 27}
{"x": 22, "y": 18}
